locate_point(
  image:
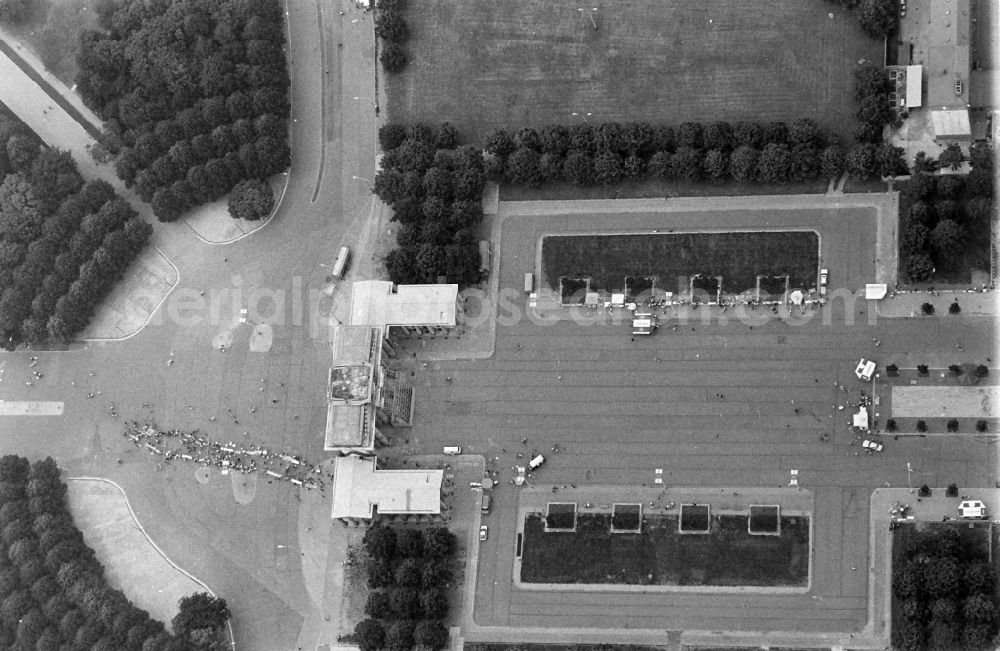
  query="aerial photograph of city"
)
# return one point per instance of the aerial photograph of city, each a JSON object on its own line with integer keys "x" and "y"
{"x": 499, "y": 325}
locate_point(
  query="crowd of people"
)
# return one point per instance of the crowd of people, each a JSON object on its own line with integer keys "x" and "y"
{"x": 192, "y": 446}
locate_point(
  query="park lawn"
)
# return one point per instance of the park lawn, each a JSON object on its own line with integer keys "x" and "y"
{"x": 728, "y": 556}
{"x": 51, "y": 31}
{"x": 655, "y": 187}
{"x": 481, "y": 64}
{"x": 736, "y": 256}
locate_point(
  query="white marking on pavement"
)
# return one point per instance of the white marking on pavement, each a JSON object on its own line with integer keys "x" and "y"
{"x": 30, "y": 408}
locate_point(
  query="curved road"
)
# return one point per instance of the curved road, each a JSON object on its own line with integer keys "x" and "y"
{"x": 249, "y": 554}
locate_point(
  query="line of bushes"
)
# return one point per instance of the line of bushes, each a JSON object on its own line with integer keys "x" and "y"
{"x": 877, "y": 18}
{"x": 63, "y": 242}
{"x": 408, "y": 571}
{"x": 435, "y": 189}
{"x": 53, "y": 591}
{"x": 393, "y": 30}
{"x": 196, "y": 94}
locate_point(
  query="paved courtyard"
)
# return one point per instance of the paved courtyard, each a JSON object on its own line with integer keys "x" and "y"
{"x": 714, "y": 403}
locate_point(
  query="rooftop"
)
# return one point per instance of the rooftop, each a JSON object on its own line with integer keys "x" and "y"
{"x": 360, "y": 490}
{"x": 350, "y": 415}
{"x": 939, "y": 32}
{"x": 374, "y": 303}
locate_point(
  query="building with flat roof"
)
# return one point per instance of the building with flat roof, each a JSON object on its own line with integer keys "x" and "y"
{"x": 380, "y": 303}
{"x": 362, "y": 492}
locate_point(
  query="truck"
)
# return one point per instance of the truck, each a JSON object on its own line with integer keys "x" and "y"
{"x": 340, "y": 266}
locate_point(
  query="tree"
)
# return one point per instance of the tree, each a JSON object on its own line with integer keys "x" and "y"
{"x": 400, "y": 265}
{"x": 528, "y": 138}
{"x": 743, "y": 164}
{"x": 942, "y": 577}
{"x": 944, "y": 636}
{"x": 910, "y": 636}
{"x": 431, "y": 633}
{"x": 550, "y": 167}
{"x": 890, "y": 160}
{"x": 924, "y": 163}
{"x": 399, "y": 637}
{"x": 166, "y": 205}
{"x": 410, "y": 543}
{"x": 405, "y": 603}
{"x": 980, "y": 182}
{"x": 948, "y": 240}
{"x": 522, "y": 167}
{"x": 390, "y": 26}
{"x": 434, "y": 604}
{"x": 862, "y": 162}
{"x": 979, "y": 211}
{"x": 446, "y": 136}
{"x": 408, "y": 573}
{"x": 689, "y": 134}
{"x": 749, "y": 134}
{"x": 435, "y": 574}
{"x": 805, "y": 164}
{"x": 774, "y": 163}
{"x": 950, "y": 210}
{"x": 608, "y": 167}
{"x": 200, "y": 612}
{"x": 439, "y": 542}
{"x": 391, "y": 135}
{"x": 923, "y": 213}
{"x": 775, "y": 133}
{"x": 377, "y": 606}
{"x": 951, "y": 156}
{"x": 393, "y": 58}
{"x": 877, "y": 17}
{"x": 979, "y": 608}
{"x": 915, "y": 238}
{"x": 554, "y": 140}
{"x": 979, "y": 578}
{"x": 950, "y": 186}
{"x": 977, "y": 636}
{"x": 658, "y": 164}
{"x": 919, "y": 267}
{"x": 686, "y": 163}
{"x": 719, "y": 135}
{"x": 21, "y": 152}
{"x": 832, "y": 162}
{"x": 716, "y": 165}
{"x": 380, "y": 542}
{"x": 920, "y": 187}
{"x": 499, "y": 143}
{"x": 370, "y": 635}
{"x": 380, "y": 573}
{"x": 578, "y": 168}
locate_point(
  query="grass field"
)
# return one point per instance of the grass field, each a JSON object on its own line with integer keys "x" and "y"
{"x": 51, "y": 31}
{"x": 738, "y": 257}
{"x": 728, "y": 556}
{"x": 482, "y": 64}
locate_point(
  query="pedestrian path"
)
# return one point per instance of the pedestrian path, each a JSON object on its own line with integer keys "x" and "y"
{"x": 31, "y": 408}
{"x": 981, "y": 302}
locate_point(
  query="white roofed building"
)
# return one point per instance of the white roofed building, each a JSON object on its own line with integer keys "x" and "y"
{"x": 362, "y": 492}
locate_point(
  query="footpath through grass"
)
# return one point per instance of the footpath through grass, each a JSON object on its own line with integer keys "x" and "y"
{"x": 727, "y": 556}
{"x": 739, "y": 257}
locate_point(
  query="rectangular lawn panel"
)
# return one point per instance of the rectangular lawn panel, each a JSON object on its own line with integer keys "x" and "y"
{"x": 739, "y": 257}
{"x": 728, "y": 556}
{"x": 482, "y": 64}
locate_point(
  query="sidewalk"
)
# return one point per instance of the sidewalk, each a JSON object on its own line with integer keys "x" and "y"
{"x": 972, "y": 303}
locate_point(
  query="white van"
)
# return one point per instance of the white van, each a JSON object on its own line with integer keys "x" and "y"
{"x": 453, "y": 450}
{"x": 529, "y": 282}
{"x": 536, "y": 462}
{"x": 865, "y": 370}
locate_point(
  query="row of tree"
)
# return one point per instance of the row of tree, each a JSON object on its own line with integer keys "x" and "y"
{"x": 877, "y": 18}
{"x": 63, "y": 242}
{"x": 435, "y": 190}
{"x": 946, "y": 213}
{"x": 53, "y": 592}
{"x": 195, "y": 91}
{"x": 393, "y": 30}
{"x": 408, "y": 571}
{"x": 945, "y": 594}
{"x": 745, "y": 152}
{"x": 871, "y": 92}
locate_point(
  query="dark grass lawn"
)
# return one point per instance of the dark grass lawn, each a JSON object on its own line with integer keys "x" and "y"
{"x": 655, "y": 187}
{"x": 728, "y": 556}
{"x": 51, "y": 31}
{"x": 482, "y": 64}
{"x": 737, "y": 256}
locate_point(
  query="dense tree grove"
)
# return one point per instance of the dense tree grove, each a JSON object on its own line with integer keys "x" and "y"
{"x": 946, "y": 212}
{"x": 871, "y": 92}
{"x": 945, "y": 594}
{"x": 53, "y": 593}
{"x": 63, "y": 242}
{"x": 435, "y": 189}
{"x": 393, "y": 31}
{"x": 197, "y": 92}
{"x": 408, "y": 571}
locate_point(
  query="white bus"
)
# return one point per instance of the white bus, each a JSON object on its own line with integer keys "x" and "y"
{"x": 341, "y": 264}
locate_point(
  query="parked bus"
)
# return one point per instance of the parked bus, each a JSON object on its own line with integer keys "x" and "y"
{"x": 341, "y": 264}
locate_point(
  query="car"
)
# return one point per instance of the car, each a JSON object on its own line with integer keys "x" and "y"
{"x": 484, "y": 532}
{"x": 824, "y": 275}
{"x": 487, "y": 503}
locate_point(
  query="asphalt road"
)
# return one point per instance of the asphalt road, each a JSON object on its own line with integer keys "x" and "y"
{"x": 619, "y": 406}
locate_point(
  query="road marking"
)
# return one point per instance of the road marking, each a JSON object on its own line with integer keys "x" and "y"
{"x": 30, "y": 408}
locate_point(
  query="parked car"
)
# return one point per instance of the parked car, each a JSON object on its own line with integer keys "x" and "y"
{"x": 484, "y": 532}
{"x": 487, "y": 503}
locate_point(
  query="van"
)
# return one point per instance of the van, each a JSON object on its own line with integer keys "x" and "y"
{"x": 487, "y": 503}
{"x": 864, "y": 370}
{"x": 536, "y": 462}
{"x": 529, "y": 282}
{"x": 453, "y": 450}
{"x": 340, "y": 266}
